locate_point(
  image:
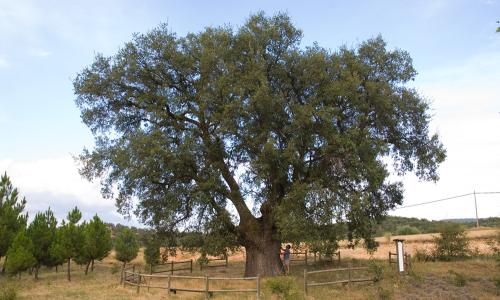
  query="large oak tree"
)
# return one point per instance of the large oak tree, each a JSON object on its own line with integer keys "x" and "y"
{"x": 253, "y": 137}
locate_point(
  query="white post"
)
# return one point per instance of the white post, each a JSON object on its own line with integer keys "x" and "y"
{"x": 400, "y": 255}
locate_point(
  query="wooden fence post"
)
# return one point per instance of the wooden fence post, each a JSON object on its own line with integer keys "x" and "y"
{"x": 315, "y": 256}
{"x": 389, "y": 257}
{"x": 191, "y": 265}
{"x": 169, "y": 285}
{"x": 258, "y": 286}
{"x": 172, "y": 267}
{"x": 305, "y": 282}
{"x": 150, "y": 269}
{"x": 138, "y": 283}
{"x": 349, "y": 271}
{"x": 338, "y": 254}
{"x": 306, "y": 257}
{"x": 227, "y": 260}
{"x": 207, "y": 295}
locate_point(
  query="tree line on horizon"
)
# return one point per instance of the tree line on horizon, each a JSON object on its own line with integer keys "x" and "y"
{"x": 44, "y": 242}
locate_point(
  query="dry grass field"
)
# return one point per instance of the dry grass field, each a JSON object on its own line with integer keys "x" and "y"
{"x": 429, "y": 280}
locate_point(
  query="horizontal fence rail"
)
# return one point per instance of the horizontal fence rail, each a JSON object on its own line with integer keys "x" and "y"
{"x": 172, "y": 267}
{"x": 211, "y": 260}
{"x": 349, "y": 279}
{"x": 141, "y": 280}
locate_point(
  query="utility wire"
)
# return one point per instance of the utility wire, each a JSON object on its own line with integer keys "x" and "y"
{"x": 444, "y": 199}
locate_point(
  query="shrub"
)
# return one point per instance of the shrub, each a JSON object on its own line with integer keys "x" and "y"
{"x": 422, "y": 255}
{"x": 496, "y": 281}
{"x": 377, "y": 270}
{"x": 283, "y": 287}
{"x": 407, "y": 230}
{"x": 452, "y": 242}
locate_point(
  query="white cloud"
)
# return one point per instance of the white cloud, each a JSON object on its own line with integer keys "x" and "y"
{"x": 466, "y": 105}
{"x": 40, "y": 53}
{"x": 55, "y": 182}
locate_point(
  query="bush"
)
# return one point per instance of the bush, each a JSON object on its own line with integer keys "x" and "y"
{"x": 422, "y": 255}
{"x": 407, "y": 230}
{"x": 377, "y": 270}
{"x": 452, "y": 242}
{"x": 283, "y": 287}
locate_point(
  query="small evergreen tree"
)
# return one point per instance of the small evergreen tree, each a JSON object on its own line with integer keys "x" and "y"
{"x": 12, "y": 218}
{"x": 126, "y": 246}
{"x": 97, "y": 242}
{"x": 152, "y": 251}
{"x": 42, "y": 234}
{"x": 20, "y": 254}
{"x": 70, "y": 238}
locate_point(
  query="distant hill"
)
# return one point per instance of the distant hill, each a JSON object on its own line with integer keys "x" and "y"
{"x": 399, "y": 225}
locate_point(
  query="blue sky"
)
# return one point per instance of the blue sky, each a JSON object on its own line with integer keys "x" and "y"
{"x": 44, "y": 44}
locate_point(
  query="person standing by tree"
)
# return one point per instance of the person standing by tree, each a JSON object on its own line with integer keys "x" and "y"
{"x": 286, "y": 259}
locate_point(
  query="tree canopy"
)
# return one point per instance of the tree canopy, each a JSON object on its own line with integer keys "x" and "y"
{"x": 248, "y": 135}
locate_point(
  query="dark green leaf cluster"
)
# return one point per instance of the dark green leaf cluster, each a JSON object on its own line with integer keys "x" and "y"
{"x": 126, "y": 246}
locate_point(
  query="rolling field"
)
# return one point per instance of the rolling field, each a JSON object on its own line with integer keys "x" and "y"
{"x": 429, "y": 280}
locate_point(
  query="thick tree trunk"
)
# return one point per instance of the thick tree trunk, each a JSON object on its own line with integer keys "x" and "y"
{"x": 262, "y": 248}
{"x": 69, "y": 269}
{"x": 263, "y": 260}
{"x": 36, "y": 271}
{"x": 87, "y": 268}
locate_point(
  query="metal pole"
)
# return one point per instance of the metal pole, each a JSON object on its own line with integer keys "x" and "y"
{"x": 475, "y": 203}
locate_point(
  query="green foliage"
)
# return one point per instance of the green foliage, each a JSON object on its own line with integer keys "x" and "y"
{"x": 377, "y": 270}
{"x": 423, "y": 255}
{"x": 126, "y": 246}
{"x": 407, "y": 230}
{"x": 11, "y": 213}
{"x": 42, "y": 232}
{"x": 152, "y": 250}
{"x": 96, "y": 241}
{"x": 283, "y": 287}
{"x": 176, "y": 119}
{"x": 451, "y": 243}
{"x": 20, "y": 254}
{"x": 384, "y": 294}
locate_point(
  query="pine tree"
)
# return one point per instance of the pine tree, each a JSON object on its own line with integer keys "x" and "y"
{"x": 42, "y": 234}
{"x": 152, "y": 251}
{"x": 20, "y": 254}
{"x": 11, "y": 217}
{"x": 97, "y": 240}
{"x": 126, "y": 246}
{"x": 69, "y": 239}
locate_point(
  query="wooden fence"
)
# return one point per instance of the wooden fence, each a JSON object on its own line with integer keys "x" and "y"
{"x": 318, "y": 254}
{"x": 295, "y": 256}
{"x": 350, "y": 277}
{"x": 123, "y": 275}
{"x": 406, "y": 259}
{"x": 172, "y": 266}
{"x": 209, "y": 260}
{"x": 141, "y": 280}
